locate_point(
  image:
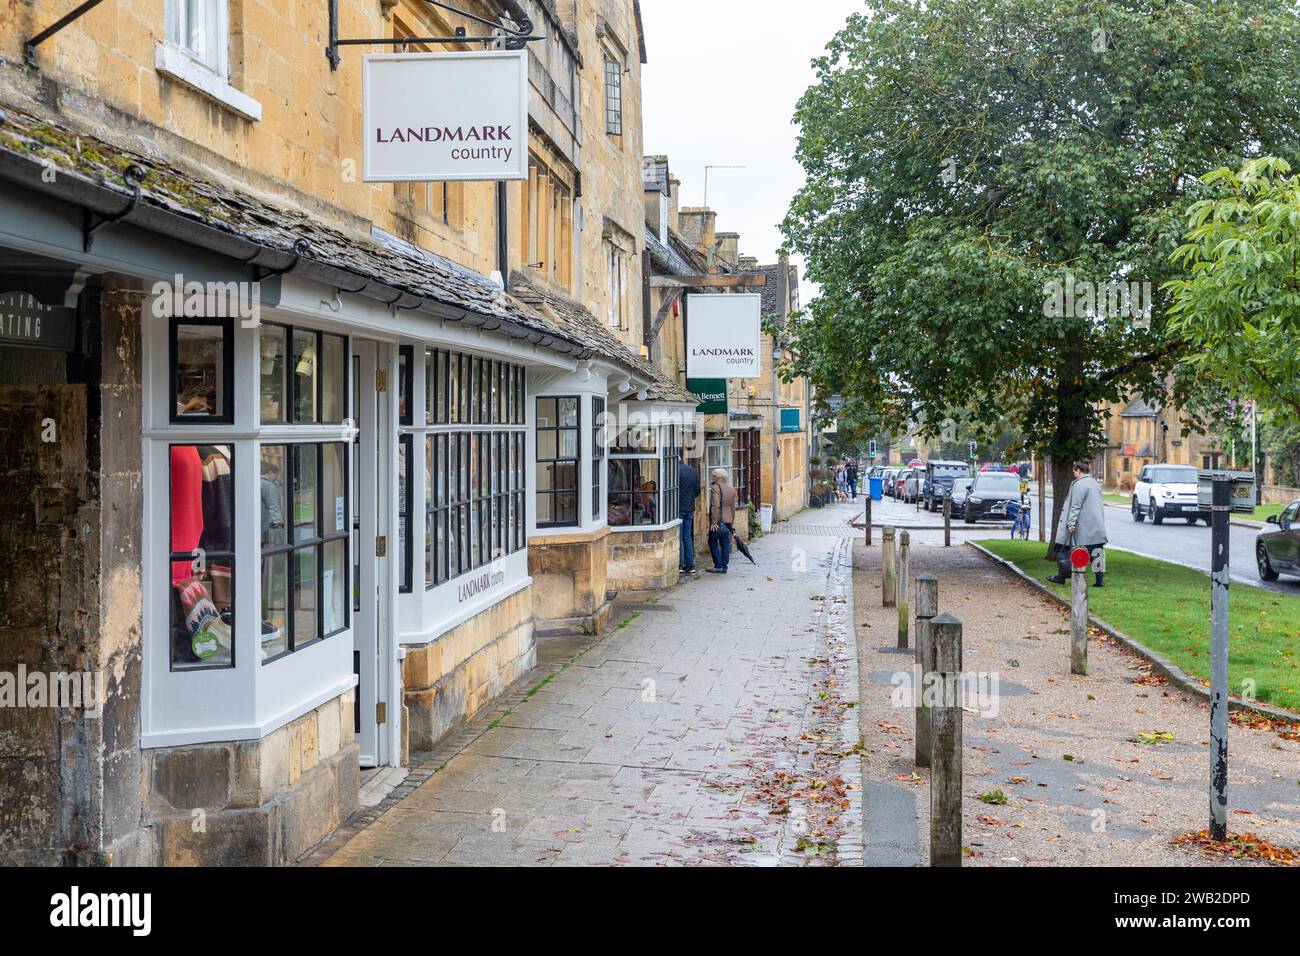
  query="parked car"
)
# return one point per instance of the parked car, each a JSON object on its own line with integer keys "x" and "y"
{"x": 912, "y": 488}
{"x": 989, "y": 494}
{"x": 958, "y": 492}
{"x": 1277, "y": 548}
{"x": 900, "y": 483}
{"x": 992, "y": 466}
{"x": 889, "y": 476}
{"x": 938, "y": 479}
{"x": 1167, "y": 491}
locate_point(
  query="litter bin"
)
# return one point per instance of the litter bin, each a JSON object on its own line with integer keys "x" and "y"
{"x": 877, "y": 487}
{"x": 765, "y": 518}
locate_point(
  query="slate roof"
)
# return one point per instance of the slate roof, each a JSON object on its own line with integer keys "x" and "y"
{"x": 182, "y": 204}
{"x": 774, "y": 293}
{"x": 577, "y": 319}
{"x": 1138, "y": 408}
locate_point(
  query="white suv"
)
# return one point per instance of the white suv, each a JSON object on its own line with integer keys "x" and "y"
{"x": 1167, "y": 491}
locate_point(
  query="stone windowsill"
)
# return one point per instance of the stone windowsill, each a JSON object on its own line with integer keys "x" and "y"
{"x": 171, "y": 61}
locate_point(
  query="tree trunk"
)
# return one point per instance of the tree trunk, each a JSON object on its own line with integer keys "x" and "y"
{"x": 1062, "y": 475}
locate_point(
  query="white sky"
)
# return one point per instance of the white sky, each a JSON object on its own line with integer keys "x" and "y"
{"x": 719, "y": 89}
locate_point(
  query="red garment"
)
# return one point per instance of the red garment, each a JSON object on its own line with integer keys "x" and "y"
{"x": 186, "y": 507}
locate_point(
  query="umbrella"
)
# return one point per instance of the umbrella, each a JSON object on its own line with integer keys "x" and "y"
{"x": 740, "y": 546}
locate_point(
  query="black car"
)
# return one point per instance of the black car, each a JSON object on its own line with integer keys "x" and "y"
{"x": 957, "y": 492}
{"x": 989, "y": 494}
{"x": 1277, "y": 549}
{"x": 938, "y": 479}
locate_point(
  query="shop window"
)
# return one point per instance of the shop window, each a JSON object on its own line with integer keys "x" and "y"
{"x": 405, "y": 359}
{"x": 474, "y": 477}
{"x": 597, "y": 455}
{"x": 558, "y": 454}
{"x": 202, "y": 542}
{"x": 305, "y": 553}
{"x": 203, "y": 370}
{"x": 303, "y": 375}
{"x": 643, "y": 486}
{"x": 746, "y": 451}
{"x": 405, "y": 473}
{"x": 613, "y": 96}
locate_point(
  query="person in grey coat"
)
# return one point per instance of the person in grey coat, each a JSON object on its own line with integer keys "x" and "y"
{"x": 1082, "y": 525}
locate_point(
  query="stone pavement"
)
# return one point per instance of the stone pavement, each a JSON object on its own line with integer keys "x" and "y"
{"x": 713, "y": 725}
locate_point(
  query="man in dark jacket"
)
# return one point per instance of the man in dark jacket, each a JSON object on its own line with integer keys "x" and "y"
{"x": 688, "y": 490}
{"x": 851, "y": 473}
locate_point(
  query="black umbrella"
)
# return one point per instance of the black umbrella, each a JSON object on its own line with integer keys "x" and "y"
{"x": 741, "y": 547}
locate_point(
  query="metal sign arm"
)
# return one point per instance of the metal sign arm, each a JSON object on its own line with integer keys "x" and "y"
{"x": 29, "y": 48}
{"x": 515, "y": 39}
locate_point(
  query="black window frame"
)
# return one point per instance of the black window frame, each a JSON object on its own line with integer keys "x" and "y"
{"x": 406, "y": 484}
{"x": 208, "y": 557}
{"x": 290, "y": 395}
{"x": 554, "y": 493}
{"x": 227, "y": 326}
{"x": 318, "y": 543}
{"x": 597, "y": 457}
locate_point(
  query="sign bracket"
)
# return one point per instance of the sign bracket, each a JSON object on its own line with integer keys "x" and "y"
{"x": 514, "y": 39}
{"x": 29, "y": 47}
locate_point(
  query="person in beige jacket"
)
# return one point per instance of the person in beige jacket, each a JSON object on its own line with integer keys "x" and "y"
{"x": 722, "y": 517}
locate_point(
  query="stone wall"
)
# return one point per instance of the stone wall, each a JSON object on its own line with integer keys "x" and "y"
{"x": 1279, "y": 494}
{"x": 255, "y": 802}
{"x": 70, "y": 591}
{"x": 644, "y": 560}
{"x": 570, "y": 581}
{"x": 446, "y": 682}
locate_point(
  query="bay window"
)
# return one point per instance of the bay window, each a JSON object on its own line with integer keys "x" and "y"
{"x": 202, "y": 522}
{"x": 558, "y": 454}
{"x": 643, "y": 488}
{"x": 598, "y": 439}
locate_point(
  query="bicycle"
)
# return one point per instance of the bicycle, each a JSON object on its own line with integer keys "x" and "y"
{"x": 1019, "y": 513}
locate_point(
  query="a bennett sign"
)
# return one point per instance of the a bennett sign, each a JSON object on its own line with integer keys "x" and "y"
{"x": 445, "y": 116}
{"x": 723, "y": 336}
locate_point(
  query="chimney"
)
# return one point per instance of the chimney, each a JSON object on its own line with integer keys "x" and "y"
{"x": 674, "y": 188}
{"x": 747, "y": 264}
{"x": 783, "y": 261}
{"x": 698, "y": 226}
{"x": 728, "y": 249}
{"x": 654, "y": 178}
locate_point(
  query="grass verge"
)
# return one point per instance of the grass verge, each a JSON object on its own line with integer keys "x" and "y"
{"x": 1167, "y": 607}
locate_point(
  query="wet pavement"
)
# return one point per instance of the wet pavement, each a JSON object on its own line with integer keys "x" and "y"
{"x": 713, "y": 725}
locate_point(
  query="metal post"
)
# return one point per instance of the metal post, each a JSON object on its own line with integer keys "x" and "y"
{"x": 887, "y": 590}
{"x": 947, "y": 522}
{"x": 904, "y": 562}
{"x": 927, "y": 606}
{"x": 868, "y": 516}
{"x": 944, "y": 683}
{"x": 1222, "y": 507}
{"x": 1079, "y": 620}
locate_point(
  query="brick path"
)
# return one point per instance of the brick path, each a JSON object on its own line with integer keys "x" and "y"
{"x": 714, "y": 726}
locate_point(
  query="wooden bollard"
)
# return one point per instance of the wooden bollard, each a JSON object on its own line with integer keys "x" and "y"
{"x": 927, "y": 606}
{"x": 888, "y": 593}
{"x": 904, "y": 582}
{"x": 1079, "y": 621}
{"x": 944, "y": 683}
{"x": 868, "y": 514}
{"x": 947, "y": 522}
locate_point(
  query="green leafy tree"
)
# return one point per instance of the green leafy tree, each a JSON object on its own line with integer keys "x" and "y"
{"x": 964, "y": 155}
{"x": 1240, "y": 301}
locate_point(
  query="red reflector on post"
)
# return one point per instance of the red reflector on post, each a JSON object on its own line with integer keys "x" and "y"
{"x": 1080, "y": 557}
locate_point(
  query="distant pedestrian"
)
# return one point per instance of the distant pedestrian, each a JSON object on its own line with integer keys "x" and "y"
{"x": 841, "y": 482}
{"x": 851, "y": 473}
{"x": 722, "y": 518}
{"x": 688, "y": 490}
{"x": 1082, "y": 525}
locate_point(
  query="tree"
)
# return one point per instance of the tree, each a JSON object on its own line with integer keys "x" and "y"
{"x": 989, "y": 182}
{"x": 1240, "y": 302}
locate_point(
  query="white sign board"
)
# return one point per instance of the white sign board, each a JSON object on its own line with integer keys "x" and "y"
{"x": 445, "y": 116}
{"x": 724, "y": 336}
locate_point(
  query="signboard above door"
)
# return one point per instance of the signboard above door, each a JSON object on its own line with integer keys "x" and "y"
{"x": 24, "y": 320}
{"x": 724, "y": 336}
{"x": 445, "y": 116}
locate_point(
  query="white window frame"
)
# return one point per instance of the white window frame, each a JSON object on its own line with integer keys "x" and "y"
{"x": 206, "y": 70}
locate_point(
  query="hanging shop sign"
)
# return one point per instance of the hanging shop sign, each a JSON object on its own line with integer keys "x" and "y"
{"x": 724, "y": 336}
{"x": 25, "y": 320}
{"x": 712, "y": 393}
{"x": 790, "y": 420}
{"x": 445, "y": 116}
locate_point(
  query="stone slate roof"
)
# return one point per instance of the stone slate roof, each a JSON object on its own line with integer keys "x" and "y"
{"x": 182, "y": 205}
{"x": 1138, "y": 408}
{"x": 577, "y": 319}
{"x": 667, "y": 257}
{"x": 774, "y": 293}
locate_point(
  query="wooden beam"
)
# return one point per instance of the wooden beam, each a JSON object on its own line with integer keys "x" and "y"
{"x": 709, "y": 282}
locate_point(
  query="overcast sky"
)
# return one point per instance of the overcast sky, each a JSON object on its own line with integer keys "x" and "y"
{"x": 719, "y": 89}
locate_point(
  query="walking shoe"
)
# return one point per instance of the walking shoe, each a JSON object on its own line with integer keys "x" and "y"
{"x": 716, "y": 570}
{"x": 1057, "y": 579}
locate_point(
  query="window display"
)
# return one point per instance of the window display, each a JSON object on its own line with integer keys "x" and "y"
{"x": 558, "y": 454}
{"x": 202, "y": 366}
{"x": 308, "y": 388}
{"x": 202, "y": 523}
{"x": 597, "y": 456}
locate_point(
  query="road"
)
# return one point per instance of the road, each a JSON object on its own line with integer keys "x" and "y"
{"x": 1172, "y": 541}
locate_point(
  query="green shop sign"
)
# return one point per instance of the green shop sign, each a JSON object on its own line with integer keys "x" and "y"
{"x": 712, "y": 393}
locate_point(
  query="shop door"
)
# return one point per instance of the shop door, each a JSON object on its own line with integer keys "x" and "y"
{"x": 369, "y": 487}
